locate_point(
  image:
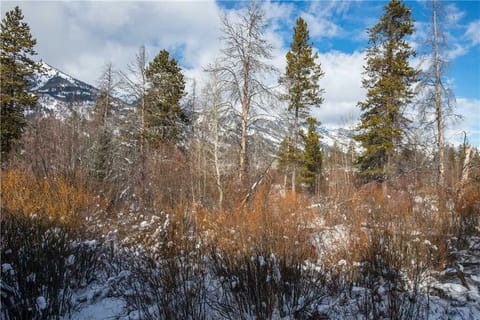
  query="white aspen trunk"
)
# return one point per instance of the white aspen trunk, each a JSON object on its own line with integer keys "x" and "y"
{"x": 465, "y": 172}
{"x": 244, "y": 137}
{"x": 216, "y": 143}
{"x": 438, "y": 102}
{"x": 243, "y": 150}
{"x": 466, "y": 166}
{"x": 107, "y": 102}
{"x": 142, "y": 128}
{"x": 217, "y": 165}
{"x": 194, "y": 146}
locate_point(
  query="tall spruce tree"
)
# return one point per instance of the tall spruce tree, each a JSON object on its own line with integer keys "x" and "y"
{"x": 301, "y": 80}
{"x": 164, "y": 114}
{"x": 16, "y": 67}
{"x": 388, "y": 79}
{"x": 311, "y": 157}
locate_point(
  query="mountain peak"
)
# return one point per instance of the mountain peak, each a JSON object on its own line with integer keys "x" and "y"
{"x": 52, "y": 82}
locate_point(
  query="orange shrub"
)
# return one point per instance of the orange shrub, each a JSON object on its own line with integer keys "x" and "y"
{"x": 467, "y": 210}
{"x": 22, "y": 192}
{"x": 269, "y": 224}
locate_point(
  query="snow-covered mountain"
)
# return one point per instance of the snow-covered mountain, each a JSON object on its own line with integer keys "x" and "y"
{"x": 342, "y": 137}
{"x": 61, "y": 86}
{"x": 60, "y": 94}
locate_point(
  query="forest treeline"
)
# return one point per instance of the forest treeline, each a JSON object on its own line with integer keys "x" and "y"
{"x": 177, "y": 187}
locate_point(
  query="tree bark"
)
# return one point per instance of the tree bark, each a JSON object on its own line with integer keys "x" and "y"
{"x": 438, "y": 103}
{"x": 245, "y": 114}
{"x": 244, "y": 149}
{"x": 295, "y": 151}
{"x": 465, "y": 172}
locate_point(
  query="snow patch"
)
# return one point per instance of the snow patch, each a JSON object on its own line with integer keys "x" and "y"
{"x": 108, "y": 308}
{"x": 7, "y": 267}
{"x": 41, "y": 303}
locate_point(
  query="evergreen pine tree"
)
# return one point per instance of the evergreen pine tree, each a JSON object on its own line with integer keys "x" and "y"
{"x": 164, "y": 114}
{"x": 312, "y": 156}
{"x": 301, "y": 79}
{"x": 388, "y": 79}
{"x": 284, "y": 154}
{"x": 16, "y": 67}
{"x": 285, "y": 158}
{"x": 101, "y": 108}
{"x": 102, "y": 157}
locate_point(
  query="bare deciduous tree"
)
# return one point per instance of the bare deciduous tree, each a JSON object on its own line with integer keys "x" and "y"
{"x": 243, "y": 68}
{"x": 215, "y": 103}
{"x": 438, "y": 97}
{"x": 136, "y": 83}
{"x": 107, "y": 83}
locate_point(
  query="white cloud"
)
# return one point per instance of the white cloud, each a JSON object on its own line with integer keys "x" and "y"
{"x": 79, "y": 37}
{"x": 453, "y": 14}
{"x": 470, "y": 122}
{"x": 328, "y": 8}
{"x": 343, "y": 87}
{"x": 321, "y": 28}
{"x": 279, "y": 14}
{"x": 320, "y": 17}
{"x": 457, "y": 50}
{"x": 473, "y": 32}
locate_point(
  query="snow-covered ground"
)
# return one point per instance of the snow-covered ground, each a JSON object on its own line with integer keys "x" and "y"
{"x": 105, "y": 308}
{"x": 454, "y": 293}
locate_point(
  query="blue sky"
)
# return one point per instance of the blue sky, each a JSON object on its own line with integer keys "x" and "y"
{"x": 79, "y": 37}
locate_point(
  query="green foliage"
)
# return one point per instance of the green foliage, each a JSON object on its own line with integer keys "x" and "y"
{"x": 312, "y": 156}
{"x": 164, "y": 114}
{"x": 102, "y": 156}
{"x": 301, "y": 80}
{"x": 101, "y": 107}
{"x": 16, "y": 67}
{"x": 302, "y": 73}
{"x": 388, "y": 79}
{"x": 285, "y": 154}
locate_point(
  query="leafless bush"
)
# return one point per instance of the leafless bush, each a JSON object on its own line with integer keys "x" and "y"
{"x": 170, "y": 287}
{"x": 266, "y": 286}
{"x": 51, "y": 146}
{"x": 394, "y": 268}
{"x": 263, "y": 260}
{"x": 41, "y": 266}
{"x": 467, "y": 209}
{"x": 400, "y": 246}
{"x": 169, "y": 273}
